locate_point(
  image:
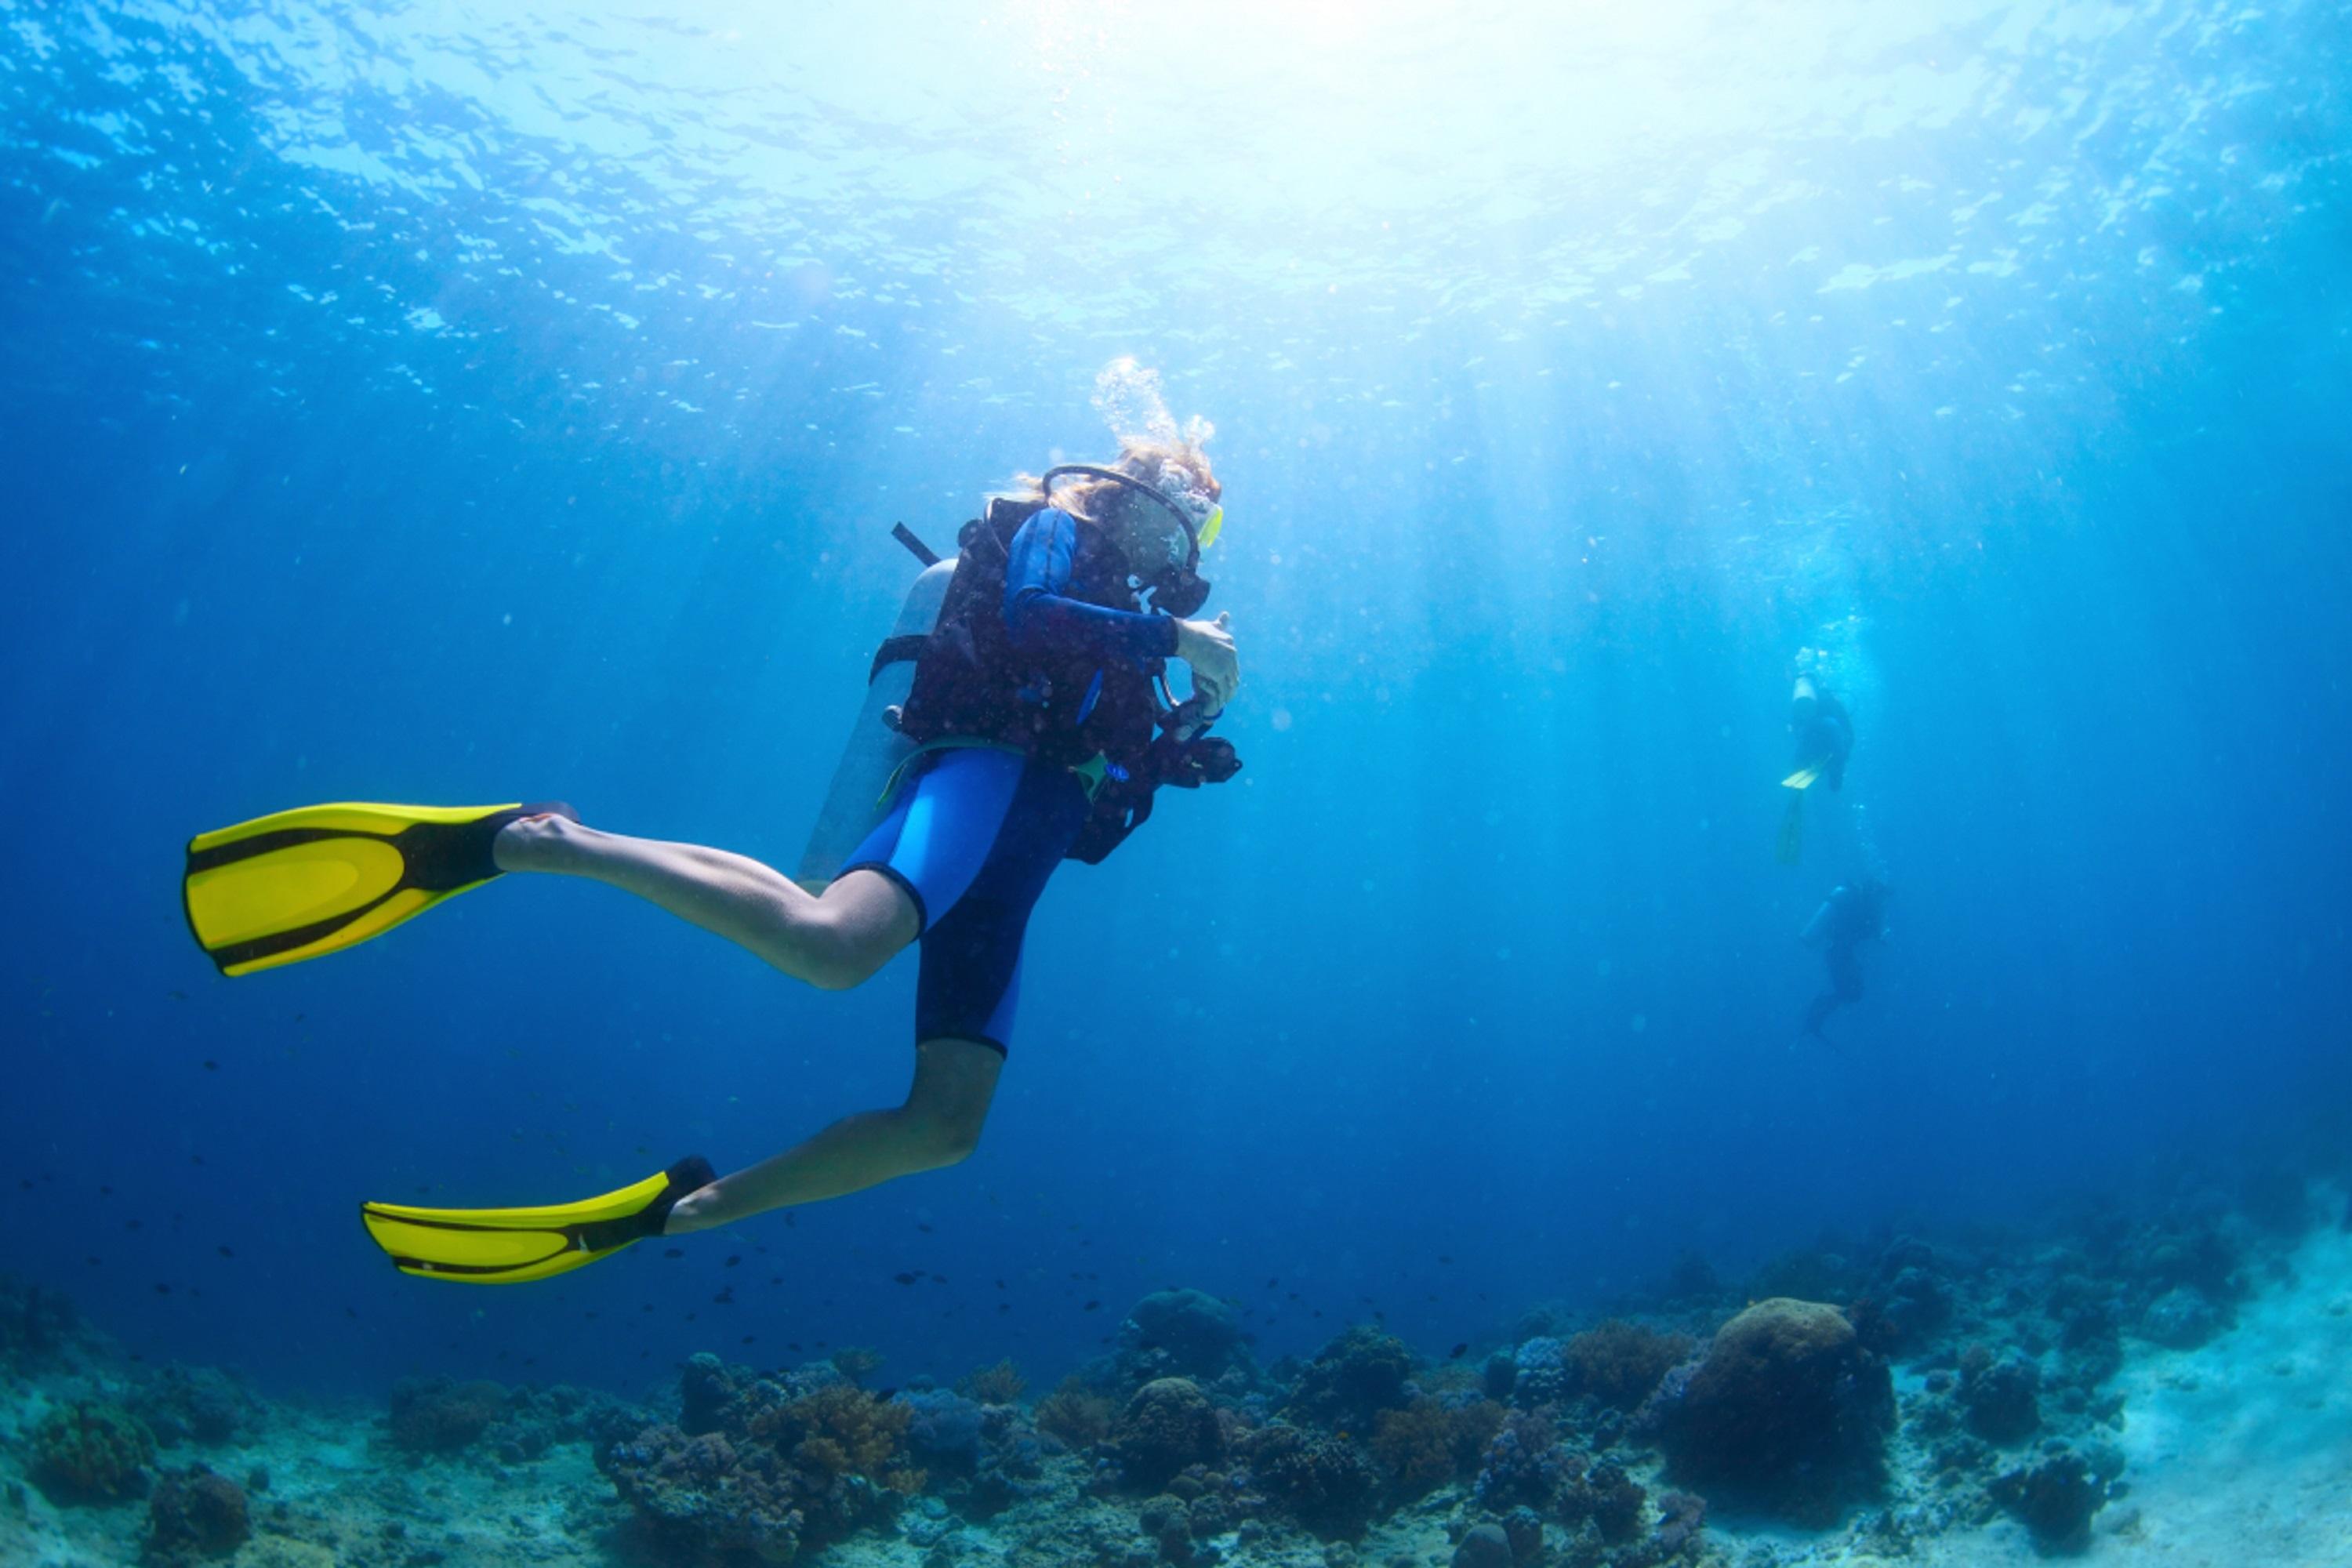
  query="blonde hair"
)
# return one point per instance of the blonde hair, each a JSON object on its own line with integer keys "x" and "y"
{"x": 1091, "y": 501}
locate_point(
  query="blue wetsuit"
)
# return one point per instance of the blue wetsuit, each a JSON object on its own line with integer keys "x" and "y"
{"x": 973, "y": 832}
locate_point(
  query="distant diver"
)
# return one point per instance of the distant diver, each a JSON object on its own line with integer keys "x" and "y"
{"x": 1823, "y": 735}
{"x": 1852, "y": 914}
{"x": 1020, "y": 716}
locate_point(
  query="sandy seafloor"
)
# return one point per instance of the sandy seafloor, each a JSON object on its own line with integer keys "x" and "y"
{"x": 2239, "y": 1452}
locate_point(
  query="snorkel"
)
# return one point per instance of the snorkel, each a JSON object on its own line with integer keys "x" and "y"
{"x": 1180, "y": 590}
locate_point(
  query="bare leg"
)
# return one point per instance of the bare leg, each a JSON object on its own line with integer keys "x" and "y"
{"x": 938, "y": 1125}
{"x": 835, "y": 940}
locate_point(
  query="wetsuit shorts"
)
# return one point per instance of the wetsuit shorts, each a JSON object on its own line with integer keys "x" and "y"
{"x": 971, "y": 835}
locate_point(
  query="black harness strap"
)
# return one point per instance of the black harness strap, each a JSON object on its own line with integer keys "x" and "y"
{"x": 895, "y": 650}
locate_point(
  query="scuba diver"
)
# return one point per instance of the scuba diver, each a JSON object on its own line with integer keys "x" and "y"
{"x": 1854, "y": 914}
{"x": 1823, "y": 735}
{"x": 1019, "y": 717}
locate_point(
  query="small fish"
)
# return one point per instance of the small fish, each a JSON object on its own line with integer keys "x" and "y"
{"x": 91, "y": 1260}
{"x": 132, "y": 1224}
{"x": 1444, "y": 1258}
{"x": 178, "y": 996}
{"x": 106, "y": 1192}
{"x": 1091, "y": 1307}
{"x": 725, "y": 1298}
{"x": 211, "y": 1066}
{"x": 748, "y": 1338}
{"x": 734, "y": 1260}
{"x": 1000, "y": 1284}
{"x": 1458, "y": 1352}
{"x": 224, "y": 1252}
{"x": 906, "y": 1279}
{"x": 351, "y": 1311}
{"x": 924, "y": 1228}
{"x": 162, "y": 1289}
{"x": 674, "y": 1252}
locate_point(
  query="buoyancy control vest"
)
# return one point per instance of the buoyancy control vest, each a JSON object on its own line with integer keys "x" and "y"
{"x": 1063, "y": 706}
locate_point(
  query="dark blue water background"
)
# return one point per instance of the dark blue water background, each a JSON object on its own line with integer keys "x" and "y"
{"x": 403, "y": 403}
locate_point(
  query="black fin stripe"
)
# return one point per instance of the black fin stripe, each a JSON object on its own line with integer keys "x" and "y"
{"x": 568, "y": 1231}
{"x": 262, "y": 844}
{"x": 272, "y": 944}
{"x": 475, "y": 1269}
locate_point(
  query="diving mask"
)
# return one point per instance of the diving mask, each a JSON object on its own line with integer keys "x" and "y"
{"x": 1180, "y": 590}
{"x": 1210, "y": 526}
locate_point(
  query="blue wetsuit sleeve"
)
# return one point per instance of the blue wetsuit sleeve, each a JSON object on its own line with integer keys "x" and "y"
{"x": 1038, "y": 610}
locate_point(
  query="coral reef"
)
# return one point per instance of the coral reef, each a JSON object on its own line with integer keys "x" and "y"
{"x": 1907, "y": 1301}
{"x": 1620, "y": 1363}
{"x": 1183, "y": 1333}
{"x": 1484, "y": 1546}
{"x": 1598, "y": 1448}
{"x": 1524, "y": 1464}
{"x": 91, "y": 1451}
{"x": 193, "y": 1514}
{"x": 1169, "y": 1424}
{"x": 1076, "y": 1415}
{"x": 37, "y": 1325}
{"x": 1538, "y": 1372}
{"x": 440, "y": 1414}
{"x": 1426, "y": 1443}
{"x": 2055, "y": 1498}
{"x": 2182, "y": 1317}
{"x": 1352, "y": 1380}
{"x": 1787, "y": 1411}
{"x": 1001, "y": 1384}
{"x": 806, "y": 1460}
{"x": 1324, "y": 1483}
{"x": 2000, "y": 1396}
{"x": 698, "y": 1501}
{"x": 196, "y": 1405}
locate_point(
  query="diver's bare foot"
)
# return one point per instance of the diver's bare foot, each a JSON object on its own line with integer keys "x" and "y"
{"x": 542, "y": 843}
{"x": 692, "y": 1212}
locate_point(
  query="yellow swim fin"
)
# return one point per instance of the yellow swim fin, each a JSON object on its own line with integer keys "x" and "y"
{"x": 508, "y": 1246}
{"x": 299, "y": 883}
{"x": 1792, "y": 846}
{"x": 1803, "y": 777}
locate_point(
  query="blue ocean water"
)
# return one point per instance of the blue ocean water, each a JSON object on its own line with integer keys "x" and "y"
{"x": 480, "y": 402}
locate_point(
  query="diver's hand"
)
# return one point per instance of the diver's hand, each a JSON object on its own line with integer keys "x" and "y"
{"x": 1207, "y": 646}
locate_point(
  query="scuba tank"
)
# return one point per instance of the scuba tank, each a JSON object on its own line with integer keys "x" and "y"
{"x": 876, "y": 750}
